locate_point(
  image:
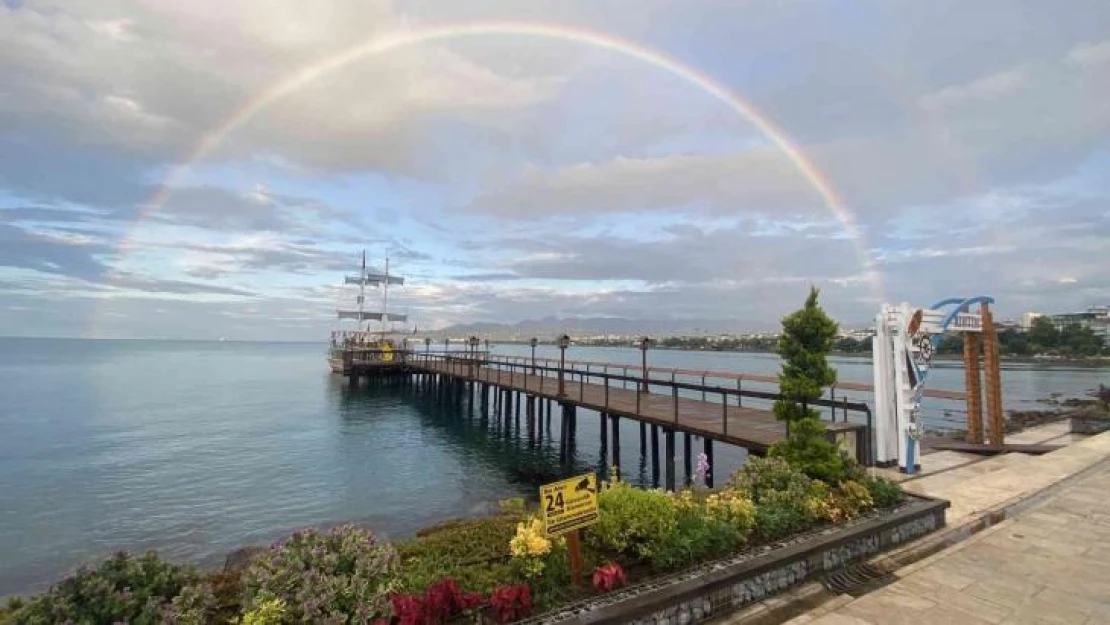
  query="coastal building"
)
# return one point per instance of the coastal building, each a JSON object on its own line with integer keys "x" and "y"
{"x": 1028, "y": 318}
{"x": 1096, "y": 318}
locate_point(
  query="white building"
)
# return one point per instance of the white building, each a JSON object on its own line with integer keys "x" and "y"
{"x": 1028, "y": 318}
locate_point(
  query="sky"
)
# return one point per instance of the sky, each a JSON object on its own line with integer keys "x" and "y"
{"x": 205, "y": 169}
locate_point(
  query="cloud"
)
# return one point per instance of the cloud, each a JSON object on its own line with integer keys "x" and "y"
{"x": 510, "y": 177}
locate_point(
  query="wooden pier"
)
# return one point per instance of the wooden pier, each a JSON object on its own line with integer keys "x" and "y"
{"x": 513, "y": 390}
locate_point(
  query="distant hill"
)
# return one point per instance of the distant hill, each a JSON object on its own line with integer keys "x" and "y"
{"x": 551, "y": 326}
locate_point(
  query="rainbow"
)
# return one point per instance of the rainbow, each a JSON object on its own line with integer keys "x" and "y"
{"x": 428, "y": 34}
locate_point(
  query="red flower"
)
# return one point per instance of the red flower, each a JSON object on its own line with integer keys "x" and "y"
{"x": 441, "y": 602}
{"x": 511, "y": 603}
{"x": 407, "y": 609}
{"x": 609, "y": 577}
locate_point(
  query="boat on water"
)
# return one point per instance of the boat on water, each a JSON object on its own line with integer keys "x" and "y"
{"x": 367, "y": 344}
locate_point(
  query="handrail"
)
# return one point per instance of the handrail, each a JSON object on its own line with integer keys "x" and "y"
{"x": 729, "y": 375}
{"x": 731, "y": 392}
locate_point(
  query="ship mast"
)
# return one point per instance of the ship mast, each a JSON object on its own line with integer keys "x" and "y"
{"x": 361, "y": 289}
{"x": 373, "y": 278}
{"x": 385, "y": 296}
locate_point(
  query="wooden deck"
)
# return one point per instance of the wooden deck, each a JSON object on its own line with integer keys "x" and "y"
{"x": 752, "y": 428}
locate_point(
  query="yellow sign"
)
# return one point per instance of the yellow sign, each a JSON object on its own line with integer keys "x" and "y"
{"x": 569, "y": 504}
{"x": 387, "y": 352}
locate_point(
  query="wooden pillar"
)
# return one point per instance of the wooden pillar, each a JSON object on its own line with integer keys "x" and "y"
{"x": 707, "y": 449}
{"x": 643, "y": 439}
{"x": 687, "y": 461}
{"x": 604, "y": 443}
{"x": 654, "y": 456}
{"x": 973, "y": 389}
{"x": 670, "y": 459}
{"x": 615, "y": 420}
{"x": 539, "y": 420}
{"x": 563, "y": 436}
{"x": 993, "y": 378}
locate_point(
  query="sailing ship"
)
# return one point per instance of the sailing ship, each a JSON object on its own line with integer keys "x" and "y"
{"x": 364, "y": 344}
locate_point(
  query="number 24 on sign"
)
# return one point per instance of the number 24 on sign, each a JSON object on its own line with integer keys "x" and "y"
{"x": 568, "y": 506}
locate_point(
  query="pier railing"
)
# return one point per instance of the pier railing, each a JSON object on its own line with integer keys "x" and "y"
{"x": 480, "y": 366}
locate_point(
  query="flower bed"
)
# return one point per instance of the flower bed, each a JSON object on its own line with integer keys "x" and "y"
{"x": 504, "y": 568}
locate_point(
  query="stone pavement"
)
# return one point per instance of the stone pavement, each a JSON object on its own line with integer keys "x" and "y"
{"x": 978, "y": 486}
{"x": 1050, "y": 564}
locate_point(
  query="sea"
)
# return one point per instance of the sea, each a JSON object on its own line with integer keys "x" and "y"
{"x": 195, "y": 449}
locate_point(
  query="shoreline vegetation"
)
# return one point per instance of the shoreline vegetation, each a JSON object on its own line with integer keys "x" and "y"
{"x": 1042, "y": 343}
{"x": 496, "y": 568}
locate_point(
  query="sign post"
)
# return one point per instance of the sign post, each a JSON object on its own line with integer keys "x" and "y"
{"x": 568, "y": 506}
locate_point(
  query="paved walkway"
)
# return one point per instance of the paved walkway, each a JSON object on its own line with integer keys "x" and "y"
{"x": 1051, "y": 564}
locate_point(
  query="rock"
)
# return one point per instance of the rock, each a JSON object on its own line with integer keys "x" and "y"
{"x": 241, "y": 558}
{"x": 1090, "y": 420}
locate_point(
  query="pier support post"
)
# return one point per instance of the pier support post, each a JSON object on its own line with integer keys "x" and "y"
{"x": 687, "y": 461}
{"x": 654, "y": 456}
{"x": 707, "y": 449}
{"x": 643, "y": 438}
{"x": 516, "y": 415}
{"x": 993, "y": 378}
{"x": 539, "y": 420}
{"x": 615, "y": 420}
{"x": 974, "y": 390}
{"x": 670, "y": 459}
{"x": 601, "y": 467}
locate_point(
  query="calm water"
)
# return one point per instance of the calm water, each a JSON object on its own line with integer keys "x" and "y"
{"x": 199, "y": 448}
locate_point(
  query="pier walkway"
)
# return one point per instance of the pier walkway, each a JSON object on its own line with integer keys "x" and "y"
{"x": 754, "y": 429}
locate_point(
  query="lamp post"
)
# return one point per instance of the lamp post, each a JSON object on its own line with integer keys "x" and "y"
{"x": 564, "y": 343}
{"x": 645, "y": 343}
{"x": 534, "y": 342}
{"x": 427, "y": 344}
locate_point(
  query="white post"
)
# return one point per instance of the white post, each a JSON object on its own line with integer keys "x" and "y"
{"x": 886, "y": 448}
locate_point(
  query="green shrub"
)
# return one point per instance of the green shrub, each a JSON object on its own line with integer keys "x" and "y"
{"x": 339, "y": 575}
{"x": 761, "y": 476}
{"x": 884, "y": 493}
{"x": 136, "y": 590}
{"x": 810, "y": 450}
{"x": 632, "y": 521}
{"x": 781, "y": 514}
{"x": 697, "y": 537}
{"x": 475, "y": 553}
{"x": 194, "y": 605}
{"x": 270, "y": 611}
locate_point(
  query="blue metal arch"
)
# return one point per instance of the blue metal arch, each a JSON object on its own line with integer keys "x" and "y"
{"x": 963, "y": 306}
{"x": 947, "y": 302}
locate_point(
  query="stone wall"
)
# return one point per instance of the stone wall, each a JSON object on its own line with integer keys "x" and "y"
{"x": 729, "y": 585}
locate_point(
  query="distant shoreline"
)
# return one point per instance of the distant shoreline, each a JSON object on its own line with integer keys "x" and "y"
{"x": 1073, "y": 362}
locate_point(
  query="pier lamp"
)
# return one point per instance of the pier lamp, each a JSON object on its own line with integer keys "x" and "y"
{"x": 645, "y": 344}
{"x": 427, "y": 344}
{"x": 564, "y": 343}
{"x": 534, "y": 342}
